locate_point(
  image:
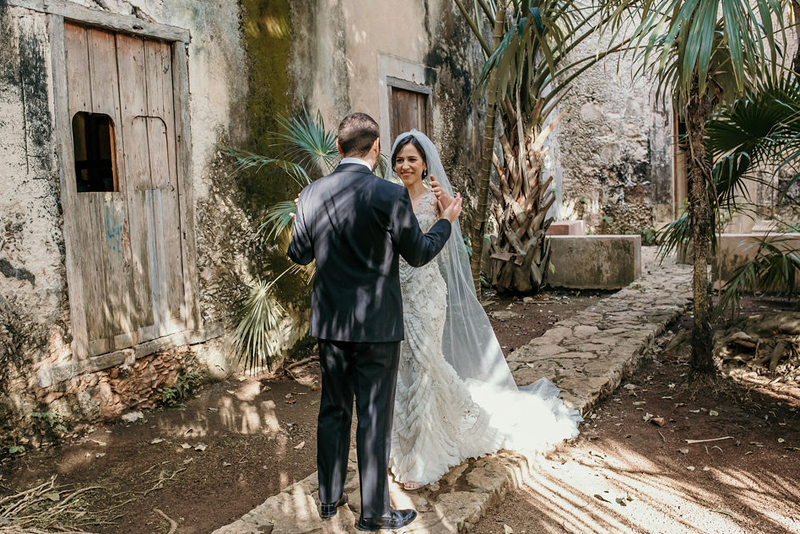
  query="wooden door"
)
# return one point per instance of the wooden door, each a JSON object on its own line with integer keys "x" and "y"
{"x": 148, "y": 125}
{"x": 409, "y": 110}
{"x": 128, "y": 235}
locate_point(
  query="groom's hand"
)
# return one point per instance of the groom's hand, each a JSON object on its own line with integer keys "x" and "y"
{"x": 440, "y": 194}
{"x": 452, "y": 211}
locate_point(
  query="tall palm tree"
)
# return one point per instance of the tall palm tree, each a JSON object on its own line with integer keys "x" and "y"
{"x": 703, "y": 53}
{"x": 759, "y": 131}
{"x": 528, "y": 70}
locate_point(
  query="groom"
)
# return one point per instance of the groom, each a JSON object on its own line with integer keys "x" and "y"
{"x": 356, "y": 226}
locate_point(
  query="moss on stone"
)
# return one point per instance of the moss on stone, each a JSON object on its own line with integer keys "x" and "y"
{"x": 267, "y": 32}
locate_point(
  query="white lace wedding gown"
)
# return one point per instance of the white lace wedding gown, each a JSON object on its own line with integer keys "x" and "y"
{"x": 440, "y": 419}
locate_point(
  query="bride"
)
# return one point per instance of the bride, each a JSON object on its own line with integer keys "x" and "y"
{"x": 455, "y": 396}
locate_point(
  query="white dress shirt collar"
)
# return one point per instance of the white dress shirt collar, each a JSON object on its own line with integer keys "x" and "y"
{"x": 356, "y": 160}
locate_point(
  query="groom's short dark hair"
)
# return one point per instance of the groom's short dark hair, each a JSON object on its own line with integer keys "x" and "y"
{"x": 357, "y": 133}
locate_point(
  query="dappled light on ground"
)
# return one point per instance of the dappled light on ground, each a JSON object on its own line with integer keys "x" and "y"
{"x": 613, "y": 489}
{"x": 246, "y": 438}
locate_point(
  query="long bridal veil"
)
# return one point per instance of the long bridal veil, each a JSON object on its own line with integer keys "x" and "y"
{"x": 531, "y": 416}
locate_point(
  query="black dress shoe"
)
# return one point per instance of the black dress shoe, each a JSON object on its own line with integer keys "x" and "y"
{"x": 329, "y": 510}
{"x": 392, "y": 521}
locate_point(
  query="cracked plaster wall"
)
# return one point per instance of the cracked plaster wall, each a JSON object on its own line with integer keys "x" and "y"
{"x": 612, "y": 152}
{"x": 34, "y": 305}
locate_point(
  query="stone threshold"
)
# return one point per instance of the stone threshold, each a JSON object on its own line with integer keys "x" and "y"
{"x": 60, "y": 372}
{"x": 587, "y": 356}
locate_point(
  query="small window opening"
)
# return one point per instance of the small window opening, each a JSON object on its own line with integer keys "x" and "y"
{"x": 94, "y": 145}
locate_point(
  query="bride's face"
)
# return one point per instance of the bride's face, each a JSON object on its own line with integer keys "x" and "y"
{"x": 409, "y": 165}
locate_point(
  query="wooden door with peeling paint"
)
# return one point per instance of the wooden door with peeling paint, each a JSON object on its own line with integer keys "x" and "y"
{"x": 128, "y": 230}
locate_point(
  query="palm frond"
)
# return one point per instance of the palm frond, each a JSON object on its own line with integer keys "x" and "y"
{"x": 674, "y": 237}
{"x": 257, "y": 337}
{"x": 722, "y": 46}
{"x": 249, "y": 161}
{"x": 278, "y": 219}
{"x": 759, "y": 130}
{"x": 775, "y": 268}
{"x": 307, "y": 142}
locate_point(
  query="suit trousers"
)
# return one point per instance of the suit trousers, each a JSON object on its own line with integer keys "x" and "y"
{"x": 367, "y": 371}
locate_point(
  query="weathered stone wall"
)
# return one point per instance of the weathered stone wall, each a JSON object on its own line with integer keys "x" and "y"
{"x": 34, "y": 314}
{"x": 248, "y": 64}
{"x": 34, "y": 305}
{"x": 613, "y": 150}
{"x": 336, "y": 69}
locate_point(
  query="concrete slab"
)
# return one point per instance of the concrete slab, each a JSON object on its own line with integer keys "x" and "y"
{"x": 595, "y": 261}
{"x": 566, "y": 228}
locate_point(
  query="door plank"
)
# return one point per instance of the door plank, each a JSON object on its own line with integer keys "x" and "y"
{"x": 183, "y": 159}
{"x": 103, "y": 72}
{"x": 57, "y": 30}
{"x": 167, "y": 234}
{"x": 117, "y": 268}
{"x": 133, "y": 106}
{"x": 77, "y": 60}
{"x": 113, "y": 213}
{"x": 92, "y": 269}
{"x": 161, "y": 138}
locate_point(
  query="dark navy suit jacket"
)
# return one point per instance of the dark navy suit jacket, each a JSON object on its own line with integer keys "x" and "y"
{"x": 356, "y": 226}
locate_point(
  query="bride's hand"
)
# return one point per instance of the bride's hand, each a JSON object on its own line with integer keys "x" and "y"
{"x": 441, "y": 195}
{"x": 452, "y": 211}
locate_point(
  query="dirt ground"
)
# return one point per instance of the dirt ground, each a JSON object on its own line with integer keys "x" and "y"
{"x": 207, "y": 463}
{"x": 625, "y": 474}
{"x": 236, "y": 443}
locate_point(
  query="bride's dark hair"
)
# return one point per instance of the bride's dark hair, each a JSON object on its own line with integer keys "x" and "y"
{"x": 410, "y": 139}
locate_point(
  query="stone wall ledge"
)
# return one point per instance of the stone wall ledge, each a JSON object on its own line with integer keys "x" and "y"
{"x": 594, "y": 261}
{"x": 61, "y": 372}
{"x": 734, "y": 250}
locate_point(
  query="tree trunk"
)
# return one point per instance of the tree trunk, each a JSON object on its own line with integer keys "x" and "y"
{"x": 698, "y": 111}
{"x": 479, "y": 227}
{"x": 796, "y": 12}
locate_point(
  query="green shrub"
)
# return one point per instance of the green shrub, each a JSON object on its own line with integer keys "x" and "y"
{"x": 186, "y": 384}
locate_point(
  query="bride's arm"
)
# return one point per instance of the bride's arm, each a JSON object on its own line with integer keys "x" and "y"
{"x": 444, "y": 200}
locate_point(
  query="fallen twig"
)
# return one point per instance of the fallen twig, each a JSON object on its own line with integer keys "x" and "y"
{"x": 690, "y": 441}
{"x": 173, "y": 525}
{"x": 662, "y": 436}
{"x": 162, "y": 479}
{"x": 301, "y": 362}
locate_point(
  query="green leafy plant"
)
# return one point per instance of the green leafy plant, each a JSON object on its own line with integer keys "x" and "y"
{"x": 307, "y": 150}
{"x": 648, "y": 236}
{"x": 49, "y": 421}
{"x": 186, "y": 384}
{"x": 257, "y": 338}
{"x": 774, "y": 269}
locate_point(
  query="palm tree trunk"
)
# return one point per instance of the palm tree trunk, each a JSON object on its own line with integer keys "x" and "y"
{"x": 479, "y": 226}
{"x": 796, "y": 12}
{"x": 698, "y": 111}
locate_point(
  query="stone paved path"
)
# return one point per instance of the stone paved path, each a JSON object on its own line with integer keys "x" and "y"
{"x": 586, "y": 356}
